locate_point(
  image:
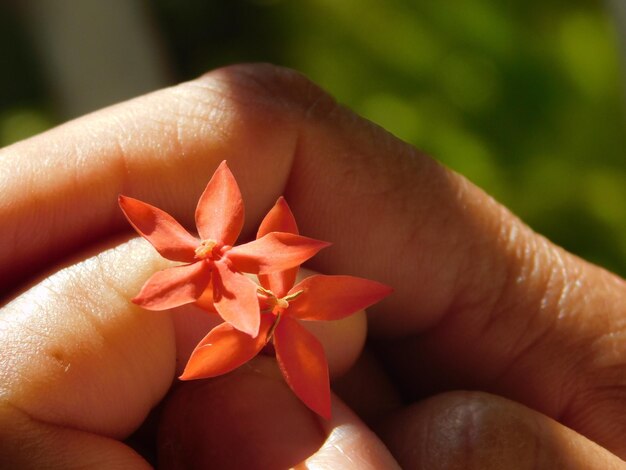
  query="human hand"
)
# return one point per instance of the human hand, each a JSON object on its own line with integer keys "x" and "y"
{"x": 480, "y": 301}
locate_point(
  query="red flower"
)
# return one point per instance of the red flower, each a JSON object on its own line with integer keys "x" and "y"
{"x": 299, "y": 354}
{"x": 212, "y": 262}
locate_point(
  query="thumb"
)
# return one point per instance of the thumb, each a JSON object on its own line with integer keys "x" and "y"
{"x": 80, "y": 366}
{"x": 250, "y": 419}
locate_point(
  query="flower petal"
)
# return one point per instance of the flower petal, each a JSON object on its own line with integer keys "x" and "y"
{"x": 224, "y": 349}
{"x": 235, "y": 299}
{"x": 276, "y": 251}
{"x": 205, "y": 301}
{"x": 279, "y": 219}
{"x": 219, "y": 214}
{"x": 173, "y": 287}
{"x": 169, "y": 238}
{"x": 303, "y": 363}
{"x": 334, "y": 297}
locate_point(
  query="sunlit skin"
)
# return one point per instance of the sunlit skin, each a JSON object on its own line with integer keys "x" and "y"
{"x": 480, "y": 301}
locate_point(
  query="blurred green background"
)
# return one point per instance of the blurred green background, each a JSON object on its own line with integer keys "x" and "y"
{"x": 525, "y": 98}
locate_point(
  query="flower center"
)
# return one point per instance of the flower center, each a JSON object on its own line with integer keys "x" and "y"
{"x": 275, "y": 304}
{"x": 205, "y": 249}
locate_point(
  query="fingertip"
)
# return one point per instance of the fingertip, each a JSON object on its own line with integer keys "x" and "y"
{"x": 343, "y": 340}
{"x": 251, "y": 419}
{"x": 479, "y": 430}
{"x": 99, "y": 363}
{"x": 246, "y": 419}
{"x": 349, "y": 444}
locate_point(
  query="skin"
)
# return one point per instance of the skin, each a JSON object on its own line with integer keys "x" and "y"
{"x": 481, "y": 302}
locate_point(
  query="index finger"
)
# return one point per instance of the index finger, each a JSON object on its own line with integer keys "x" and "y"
{"x": 59, "y": 188}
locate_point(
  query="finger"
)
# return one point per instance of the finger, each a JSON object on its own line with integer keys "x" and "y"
{"x": 59, "y": 187}
{"x": 367, "y": 390}
{"x": 349, "y": 444}
{"x": 75, "y": 352}
{"x": 82, "y": 365}
{"x": 505, "y": 309}
{"x": 26, "y": 444}
{"x": 250, "y": 419}
{"x": 479, "y": 431}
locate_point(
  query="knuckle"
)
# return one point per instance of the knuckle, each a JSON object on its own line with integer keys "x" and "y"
{"x": 269, "y": 87}
{"x": 467, "y": 429}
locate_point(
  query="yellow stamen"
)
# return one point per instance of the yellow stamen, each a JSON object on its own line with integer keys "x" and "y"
{"x": 282, "y": 303}
{"x": 270, "y": 333}
{"x": 293, "y": 296}
{"x": 205, "y": 248}
{"x": 267, "y": 292}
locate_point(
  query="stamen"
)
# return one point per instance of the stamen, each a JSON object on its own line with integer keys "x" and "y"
{"x": 270, "y": 333}
{"x": 276, "y": 304}
{"x": 263, "y": 290}
{"x": 293, "y": 296}
{"x": 205, "y": 248}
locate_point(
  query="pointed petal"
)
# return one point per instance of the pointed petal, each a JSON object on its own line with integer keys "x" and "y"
{"x": 279, "y": 219}
{"x": 235, "y": 299}
{"x": 303, "y": 363}
{"x": 224, "y": 349}
{"x": 173, "y": 287}
{"x": 276, "y": 251}
{"x": 219, "y": 215}
{"x": 159, "y": 228}
{"x": 334, "y": 297}
{"x": 205, "y": 301}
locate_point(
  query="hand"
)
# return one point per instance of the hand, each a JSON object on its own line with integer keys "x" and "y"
{"x": 481, "y": 302}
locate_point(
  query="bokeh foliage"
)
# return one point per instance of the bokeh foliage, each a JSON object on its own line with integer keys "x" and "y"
{"x": 525, "y": 98}
{"x": 24, "y": 106}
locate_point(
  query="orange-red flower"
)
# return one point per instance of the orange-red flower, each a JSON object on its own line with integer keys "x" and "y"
{"x": 211, "y": 260}
{"x": 299, "y": 354}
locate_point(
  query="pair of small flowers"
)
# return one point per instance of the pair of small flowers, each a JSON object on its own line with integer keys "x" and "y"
{"x": 253, "y": 314}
